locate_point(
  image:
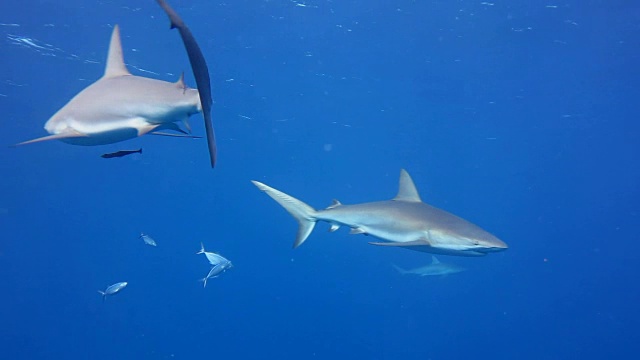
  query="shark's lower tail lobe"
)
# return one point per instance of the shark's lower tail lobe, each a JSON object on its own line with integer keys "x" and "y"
{"x": 303, "y": 213}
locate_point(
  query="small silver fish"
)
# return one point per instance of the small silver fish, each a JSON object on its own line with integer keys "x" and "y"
{"x": 113, "y": 289}
{"x": 216, "y": 270}
{"x": 147, "y": 239}
{"x": 213, "y": 258}
{"x": 219, "y": 264}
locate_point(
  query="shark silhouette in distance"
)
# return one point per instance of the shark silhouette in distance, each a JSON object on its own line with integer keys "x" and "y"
{"x": 405, "y": 222}
{"x": 433, "y": 269}
{"x": 200, "y": 72}
{"x": 121, "y": 106}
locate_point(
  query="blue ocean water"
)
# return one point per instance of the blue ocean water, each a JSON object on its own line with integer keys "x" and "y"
{"x": 518, "y": 116}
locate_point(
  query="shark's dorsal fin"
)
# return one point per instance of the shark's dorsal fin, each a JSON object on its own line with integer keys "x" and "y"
{"x": 115, "y": 59}
{"x": 334, "y": 204}
{"x": 434, "y": 260}
{"x": 407, "y": 190}
{"x": 180, "y": 83}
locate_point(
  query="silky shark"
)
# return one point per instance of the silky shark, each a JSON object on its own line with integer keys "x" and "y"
{"x": 121, "y": 106}
{"x": 200, "y": 72}
{"x": 433, "y": 269}
{"x": 405, "y": 222}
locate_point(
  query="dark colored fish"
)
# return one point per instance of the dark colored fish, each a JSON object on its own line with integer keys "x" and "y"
{"x": 200, "y": 72}
{"x": 121, "y": 153}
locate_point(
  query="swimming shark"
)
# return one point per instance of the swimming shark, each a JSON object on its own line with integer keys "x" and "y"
{"x": 433, "y": 269}
{"x": 121, "y": 106}
{"x": 200, "y": 73}
{"x": 404, "y": 222}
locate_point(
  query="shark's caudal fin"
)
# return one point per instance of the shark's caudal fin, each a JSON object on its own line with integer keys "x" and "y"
{"x": 200, "y": 73}
{"x": 201, "y": 249}
{"x": 104, "y": 295}
{"x": 204, "y": 281}
{"x": 303, "y": 213}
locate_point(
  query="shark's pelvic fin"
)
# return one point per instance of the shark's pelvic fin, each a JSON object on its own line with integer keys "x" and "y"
{"x": 407, "y": 190}
{"x": 147, "y": 128}
{"x": 64, "y": 135}
{"x": 115, "y": 60}
{"x": 303, "y": 213}
{"x": 434, "y": 260}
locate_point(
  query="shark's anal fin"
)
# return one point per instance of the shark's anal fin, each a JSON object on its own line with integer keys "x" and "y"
{"x": 403, "y": 244}
{"x": 64, "y": 135}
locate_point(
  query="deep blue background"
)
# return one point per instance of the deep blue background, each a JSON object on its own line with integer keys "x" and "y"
{"x": 519, "y": 116}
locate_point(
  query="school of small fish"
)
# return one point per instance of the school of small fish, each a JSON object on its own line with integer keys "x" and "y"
{"x": 219, "y": 264}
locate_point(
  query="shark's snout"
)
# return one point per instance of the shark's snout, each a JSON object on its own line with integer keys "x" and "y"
{"x": 494, "y": 245}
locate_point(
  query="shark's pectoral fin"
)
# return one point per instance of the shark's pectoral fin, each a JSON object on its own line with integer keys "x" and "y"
{"x": 399, "y": 269}
{"x": 420, "y": 242}
{"x": 63, "y": 135}
{"x": 175, "y": 135}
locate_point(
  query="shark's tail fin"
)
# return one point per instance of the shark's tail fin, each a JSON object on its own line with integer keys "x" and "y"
{"x": 204, "y": 281}
{"x": 399, "y": 269}
{"x": 303, "y": 213}
{"x": 201, "y": 249}
{"x": 104, "y": 295}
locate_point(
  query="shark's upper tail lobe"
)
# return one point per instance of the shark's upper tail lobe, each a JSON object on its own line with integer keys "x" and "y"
{"x": 303, "y": 213}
